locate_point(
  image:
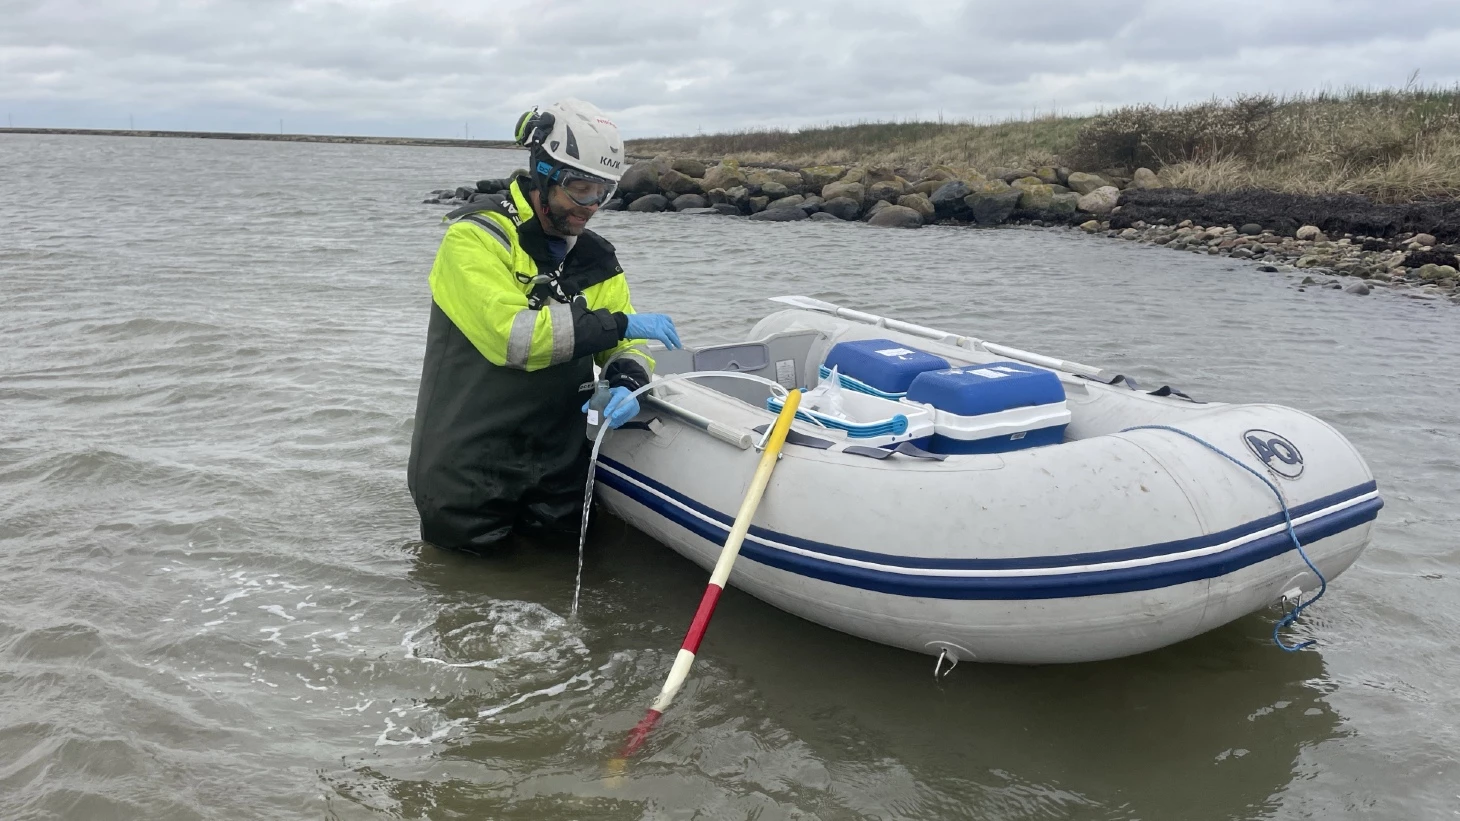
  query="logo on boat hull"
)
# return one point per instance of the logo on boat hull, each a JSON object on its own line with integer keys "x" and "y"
{"x": 1280, "y": 455}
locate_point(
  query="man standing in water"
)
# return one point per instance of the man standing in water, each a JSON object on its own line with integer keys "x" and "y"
{"x": 525, "y": 300}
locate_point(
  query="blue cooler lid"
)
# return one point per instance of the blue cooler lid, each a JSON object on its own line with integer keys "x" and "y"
{"x": 974, "y": 390}
{"x": 885, "y": 365}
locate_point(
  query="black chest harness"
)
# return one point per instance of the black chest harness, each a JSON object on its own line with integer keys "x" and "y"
{"x": 590, "y": 259}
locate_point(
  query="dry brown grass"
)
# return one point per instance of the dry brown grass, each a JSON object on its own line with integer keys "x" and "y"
{"x": 1015, "y": 143}
{"x": 1392, "y": 145}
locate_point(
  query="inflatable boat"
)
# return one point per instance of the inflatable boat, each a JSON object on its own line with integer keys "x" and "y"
{"x": 978, "y": 502}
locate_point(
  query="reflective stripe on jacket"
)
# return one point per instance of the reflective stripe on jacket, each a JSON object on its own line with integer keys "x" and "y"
{"x": 483, "y": 280}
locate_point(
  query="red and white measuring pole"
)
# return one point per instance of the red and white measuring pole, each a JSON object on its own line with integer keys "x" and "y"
{"x": 686, "y": 658}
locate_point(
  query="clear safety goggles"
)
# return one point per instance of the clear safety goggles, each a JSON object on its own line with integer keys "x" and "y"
{"x": 584, "y": 188}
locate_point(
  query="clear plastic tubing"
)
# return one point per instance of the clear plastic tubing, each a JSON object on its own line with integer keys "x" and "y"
{"x": 776, "y": 388}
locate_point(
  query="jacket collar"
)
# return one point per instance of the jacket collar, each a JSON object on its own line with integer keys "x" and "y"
{"x": 529, "y": 228}
{"x": 520, "y": 202}
{"x": 586, "y": 251}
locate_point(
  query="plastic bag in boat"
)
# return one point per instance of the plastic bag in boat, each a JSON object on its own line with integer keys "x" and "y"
{"x": 826, "y": 397}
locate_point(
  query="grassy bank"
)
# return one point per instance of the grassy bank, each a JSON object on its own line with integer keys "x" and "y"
{"x": 1393, "y": 145}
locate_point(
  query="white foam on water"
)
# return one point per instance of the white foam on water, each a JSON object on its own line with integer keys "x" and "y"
{"x": 408, "y": 736}
{"x": 512, "y": 631}
{"x": 237, "y": 594}
{"x": 554, "y": 690}
{"x": 277, "y": 610}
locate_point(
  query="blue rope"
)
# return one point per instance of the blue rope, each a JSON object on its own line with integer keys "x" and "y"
{"x": 1292, "y": 615}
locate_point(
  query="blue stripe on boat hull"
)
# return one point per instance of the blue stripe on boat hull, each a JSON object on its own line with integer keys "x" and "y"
{"x": 1020, "y": 563}
{"x": 1064, "y": 585}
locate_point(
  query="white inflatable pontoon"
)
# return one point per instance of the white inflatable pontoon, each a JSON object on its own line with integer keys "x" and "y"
{"x": 1089, "y": 523}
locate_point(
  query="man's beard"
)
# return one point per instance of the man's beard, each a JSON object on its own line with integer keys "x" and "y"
{"x": 558, "y": 219}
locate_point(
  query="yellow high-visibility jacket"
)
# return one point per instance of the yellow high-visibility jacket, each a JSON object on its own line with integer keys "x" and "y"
{"x": 483, "y": 281}
{"x": 499, "y": 441}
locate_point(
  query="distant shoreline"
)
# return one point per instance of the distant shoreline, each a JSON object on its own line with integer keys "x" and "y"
{"x": 292, "y": 138}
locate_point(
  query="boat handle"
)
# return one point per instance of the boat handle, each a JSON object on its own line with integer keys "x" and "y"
{"x": 725, "y": 433}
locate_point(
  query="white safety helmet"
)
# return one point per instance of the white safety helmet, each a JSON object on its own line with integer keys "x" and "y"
{"x": 574, "y": 145}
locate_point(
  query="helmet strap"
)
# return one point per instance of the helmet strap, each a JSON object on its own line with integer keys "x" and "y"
{"x": 533, "y": 129}
{"x": 541, "y": 173}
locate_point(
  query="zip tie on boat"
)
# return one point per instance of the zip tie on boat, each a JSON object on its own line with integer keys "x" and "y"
{"x": 1293, "y": 614}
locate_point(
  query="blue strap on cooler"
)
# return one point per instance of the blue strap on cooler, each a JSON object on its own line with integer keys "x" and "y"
{"x": 895, "y": 426}
{"x": 853, "y": 384}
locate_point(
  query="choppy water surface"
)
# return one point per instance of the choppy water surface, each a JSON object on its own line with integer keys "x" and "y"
{"x": 212, "y": 604}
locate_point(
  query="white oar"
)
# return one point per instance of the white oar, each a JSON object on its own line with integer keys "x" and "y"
{"x": 686, "y": 658}
{"x": 810, "y": 304}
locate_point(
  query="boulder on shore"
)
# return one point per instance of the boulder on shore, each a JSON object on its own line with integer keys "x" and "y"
{"x": 726, "y": 175}
{"x": 920, "y": 204}
{"x": 896, "y": 216}
{"x": 674, "y": 182}
{"x": 765, "y": 176}
{"x": 854, "y": 191}
{"x": 641, "y": 178}
{"x": 792, "y": 201}
{"x": 888, "y": 190}
{"x": 686, "y": 201}
{"x": 779, "y": 215}
{"x": 649, "y": 203}
{"x": 844, "y": 208}
{"x": 773, "y": 189}
{"x": 990, "y": 209}
{"x": 948, "y": 199}
{"x": 688, "y": 167}
{"x": 739, "y": 196}
{"x": 818, "y": 177}
{"x": 1100, "y": 201}
{"x": 872, "y": 212}
{"x": 1083, "y": 183}
{"x": 927, "y": 187}
{"x": 1035, "y": 196}
{"x": 1064, "y": 204}
{"x": 1146, "y": 178}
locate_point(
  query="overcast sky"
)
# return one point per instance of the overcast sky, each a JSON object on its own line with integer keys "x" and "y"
{"x": 430, "y": 67}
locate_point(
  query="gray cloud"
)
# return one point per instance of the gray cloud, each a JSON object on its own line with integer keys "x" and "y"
{"x": 425, "y": 67}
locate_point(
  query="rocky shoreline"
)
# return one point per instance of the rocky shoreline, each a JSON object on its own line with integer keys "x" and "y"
{"x": 1338, "y": 242}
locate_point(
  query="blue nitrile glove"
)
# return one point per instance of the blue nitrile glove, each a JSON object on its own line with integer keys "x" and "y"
{"x": 622, "y": 406}
{"x": 653, "y": 326}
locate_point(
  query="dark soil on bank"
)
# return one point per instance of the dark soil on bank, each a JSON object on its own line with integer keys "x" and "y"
{"x": 1285, "y": 213}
